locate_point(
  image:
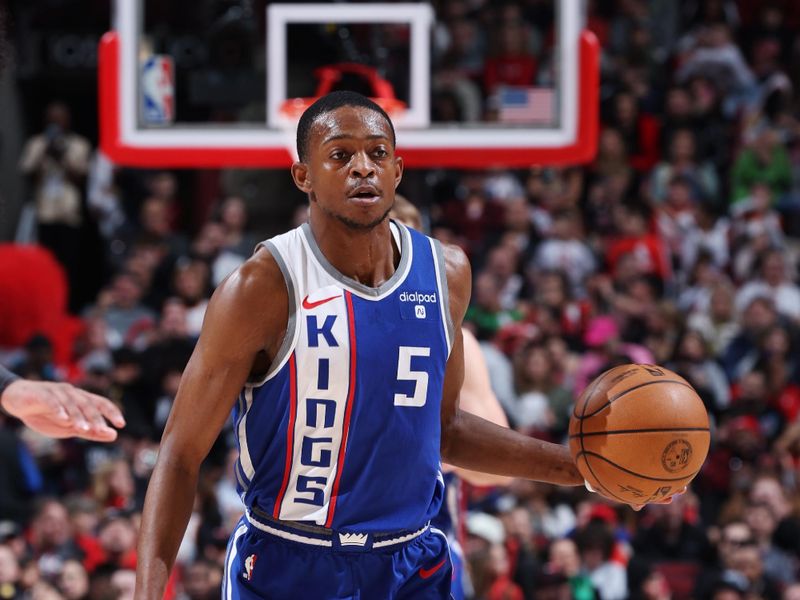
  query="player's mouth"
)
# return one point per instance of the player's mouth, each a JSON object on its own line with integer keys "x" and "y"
{"x": 365, "y": 195}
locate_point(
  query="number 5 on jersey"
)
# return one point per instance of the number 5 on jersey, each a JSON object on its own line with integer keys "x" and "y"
{"x": 406, "y": 373}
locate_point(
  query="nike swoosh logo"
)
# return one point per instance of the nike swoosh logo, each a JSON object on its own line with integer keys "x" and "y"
{"x": 309, "y": 305}
{"x": 426, "y": 573}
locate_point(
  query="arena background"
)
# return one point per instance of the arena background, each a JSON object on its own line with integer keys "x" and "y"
{"x": 676, "y": 245}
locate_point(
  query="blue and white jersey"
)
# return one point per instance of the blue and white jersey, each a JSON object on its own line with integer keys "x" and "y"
{"x": 344, "y": 430}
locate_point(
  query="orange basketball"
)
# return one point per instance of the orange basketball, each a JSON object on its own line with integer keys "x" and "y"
{"x": 639, "y": 433}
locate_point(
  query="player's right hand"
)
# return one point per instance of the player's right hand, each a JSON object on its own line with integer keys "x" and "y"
{"x": 667, "y": 500}
{"x": 61, "y": 410}
{"x": 638, "y": 507}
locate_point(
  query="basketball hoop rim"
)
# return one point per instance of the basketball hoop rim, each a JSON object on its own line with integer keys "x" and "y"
{"x": 293, "y": 108}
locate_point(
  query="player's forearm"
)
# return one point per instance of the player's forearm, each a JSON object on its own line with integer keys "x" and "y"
{"x": 167, "y": 508}
{"x": 473, "y": 443}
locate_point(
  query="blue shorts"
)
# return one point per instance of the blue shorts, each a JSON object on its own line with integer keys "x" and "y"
{"x": 457, "y": 591}
{"x": 279, "y": 561}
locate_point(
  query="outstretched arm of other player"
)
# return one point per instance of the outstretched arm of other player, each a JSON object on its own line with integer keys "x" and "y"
{"x": 58, "y": 410}
{"x": 473, "y": 443}
{"x": 478, "y": 399}
{"x": 247, "y": 314}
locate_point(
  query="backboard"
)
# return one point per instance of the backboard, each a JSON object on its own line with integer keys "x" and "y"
{"x": 223, "y": 85}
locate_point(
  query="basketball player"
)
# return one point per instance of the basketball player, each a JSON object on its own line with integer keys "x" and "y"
{"x": 339, "y": 347}
{"x": 58, "y": 410}
{"x": 476, "y": 397}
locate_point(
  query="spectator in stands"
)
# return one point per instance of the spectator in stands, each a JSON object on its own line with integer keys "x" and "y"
{"x": 636, "y": 240}
{"x": 502, "y": 263}
{"x": 778, "y": 565}
{"x": 604, "y": 349}
{"x": 764, "y": 160}
{"x": 10, "y": 573}
{"x": 511, "y": 62}
{"x": 117, "y": 538}
{"x": 191, "y": 285}
{"x": 51, "y": 541}
{"x": 202, "y": 580}
{"x": 775, "y": 281}
{"x": 707, "y": 234}
{"x": 542, "y": 404}
{"x": 639, "y": 130}
{"x": 57, "y": 160}
{"x": 692, "y": 360}
{"x": 564, "y": 559}
{"x": 700, "y": 177}
{"x": 486, "y": 313}
{"x": 566, "y": 251}
{"x": 717, "y": 57}
{"x": 672, "y": 533}
{"x": 121, "y": 307}
{"x": 74, "y": 581}
{"x": 595, "y": 542}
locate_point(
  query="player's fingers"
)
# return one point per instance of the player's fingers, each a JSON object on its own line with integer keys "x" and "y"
{"x": 109, "y": 410}
{"x": 68, "y": 404}
{"x": 106, "y": 434}
{"x": 91, "y": 414}
{"x": 55, "y": 405}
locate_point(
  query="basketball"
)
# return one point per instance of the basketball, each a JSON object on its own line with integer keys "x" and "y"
{"x": 639, "y": 433}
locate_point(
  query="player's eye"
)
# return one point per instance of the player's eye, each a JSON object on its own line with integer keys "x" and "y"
{"x": 380, "y": 153}
{"x": 338, "y": 155}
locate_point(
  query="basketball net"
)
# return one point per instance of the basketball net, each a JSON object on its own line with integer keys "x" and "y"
{"x": 292, "y": 109}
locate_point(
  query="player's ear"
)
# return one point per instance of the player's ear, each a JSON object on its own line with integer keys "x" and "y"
{"x": 398, "y": 166}
{"x": 301, "y": 177}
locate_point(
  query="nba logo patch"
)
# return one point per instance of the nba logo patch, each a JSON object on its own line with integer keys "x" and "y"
{"x": 249, "y": 565}
{"x": 419, "y": 310}
{"x": 158, "y": 90}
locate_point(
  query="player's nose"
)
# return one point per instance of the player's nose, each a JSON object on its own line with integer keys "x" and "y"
{"x": 362, "y": 165}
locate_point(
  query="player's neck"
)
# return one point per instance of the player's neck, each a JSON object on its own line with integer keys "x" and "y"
{"x": 368, "y": 256}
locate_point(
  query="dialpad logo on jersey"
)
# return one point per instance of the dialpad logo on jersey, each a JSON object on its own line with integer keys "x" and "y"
{"x": 418, "y": 297}
{"x": 413, "y": 305}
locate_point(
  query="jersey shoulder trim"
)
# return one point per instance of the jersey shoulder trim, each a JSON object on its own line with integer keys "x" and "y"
{"x": 290, "y": 338}
{"x": 444, "y": 293}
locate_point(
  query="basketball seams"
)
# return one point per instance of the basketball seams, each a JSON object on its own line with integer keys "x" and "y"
{"x": 653, "y": 430}
{"x": 613, "y": 399}
{"x": 583, "y": 454}
{"x": 634, "y": 473}
{"x": 588, "y": 393}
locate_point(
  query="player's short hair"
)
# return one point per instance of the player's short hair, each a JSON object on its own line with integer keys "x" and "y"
{"x": 329, "y": 103}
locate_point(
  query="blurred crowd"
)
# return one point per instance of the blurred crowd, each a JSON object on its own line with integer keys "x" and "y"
{"x": 677, "y": 246}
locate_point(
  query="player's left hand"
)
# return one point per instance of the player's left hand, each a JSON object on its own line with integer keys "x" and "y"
{"x": 61, "y": 410}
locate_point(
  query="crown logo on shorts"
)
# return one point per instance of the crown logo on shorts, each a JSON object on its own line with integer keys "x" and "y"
{"x": 353, "y": 539}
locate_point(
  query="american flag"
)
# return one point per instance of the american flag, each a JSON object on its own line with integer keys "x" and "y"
{"x": 529, "y": 105}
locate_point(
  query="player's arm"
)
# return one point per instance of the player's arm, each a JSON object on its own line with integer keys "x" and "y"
{"x": 246, "y": 314}
{"x": 478, "y": 399}
{"x": 474, "y": 443}
{"x": 58, "y": 410}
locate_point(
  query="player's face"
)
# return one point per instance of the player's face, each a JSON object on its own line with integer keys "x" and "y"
{"x": 351, "y": 171}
